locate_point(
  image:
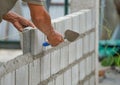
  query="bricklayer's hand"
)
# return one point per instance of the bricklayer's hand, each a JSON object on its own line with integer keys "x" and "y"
{"x": 55, "y": 39}
{"x": 18, "y": 21}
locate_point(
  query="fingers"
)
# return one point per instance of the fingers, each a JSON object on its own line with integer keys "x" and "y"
{"x": 25, "y": 23}
{"x": 18, "y": 26}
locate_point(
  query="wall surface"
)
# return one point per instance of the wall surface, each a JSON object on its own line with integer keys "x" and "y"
{"x": 70, "y": 63}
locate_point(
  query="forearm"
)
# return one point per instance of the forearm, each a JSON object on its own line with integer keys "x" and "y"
{"x": 41, "y": 19}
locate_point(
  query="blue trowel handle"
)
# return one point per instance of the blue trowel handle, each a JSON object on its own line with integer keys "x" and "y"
{"x": 45, "y": 44}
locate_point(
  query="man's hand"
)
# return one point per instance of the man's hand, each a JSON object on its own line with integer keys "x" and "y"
{"x": 55, "y": 39}
{"x": 18, "y": 21}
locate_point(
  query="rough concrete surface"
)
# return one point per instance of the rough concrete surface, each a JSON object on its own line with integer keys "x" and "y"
{"x": 111, "y": 76}
{"x": 8, "y": 54}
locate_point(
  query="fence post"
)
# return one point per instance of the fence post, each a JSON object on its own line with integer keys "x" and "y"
{"x": 66, "y": 7}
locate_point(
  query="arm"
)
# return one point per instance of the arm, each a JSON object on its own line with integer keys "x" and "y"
{"x": 42, "y": 21}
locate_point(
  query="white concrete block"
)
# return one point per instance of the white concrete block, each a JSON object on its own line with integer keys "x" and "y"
{"x": 88, "y": 65}
{"x": 51, "y": 83}
{"x": 59, "y": 80}
{"x": 37, "y": 39}
{"x": 64, "y": 60}
{"x": 8, "y": 79}
{"x": 82, "y": 69}
{"x": 88, "y": 14}
{"x": 22, "y": 76}
{"x": 92, "y": 41}
{"x": 67, "y": 78}
{"x": 55, "y": 61}
{"x": 82, "y": 23}
{"x": 86, "y": 82}
{"x": 59, "y": 25}
{"x": 75, "y": 75}
{"x": 32, "y": 41}
{"x": 75, "y": 22}
{"x": 68, "y": 22}
{"x": 86, "y": 45}
{"x": 72, "y": 52}
{"x": 89, "y": 19}
{"x": 79, "y": 48}
{"x": 45, "y": 67}
{"x": 93, "y": 18}
{"x": 92, "y": 80}
{"x": 34, "y": 72}
{"x": 93, "y": 62}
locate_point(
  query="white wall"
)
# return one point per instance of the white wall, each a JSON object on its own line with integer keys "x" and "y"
{"x": 67, "y": 64}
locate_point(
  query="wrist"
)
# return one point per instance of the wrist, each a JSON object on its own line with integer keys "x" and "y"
{"x": 50, "y": 33}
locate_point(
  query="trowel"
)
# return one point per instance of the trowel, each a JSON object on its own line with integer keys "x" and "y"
{"x": 69, "y": 35}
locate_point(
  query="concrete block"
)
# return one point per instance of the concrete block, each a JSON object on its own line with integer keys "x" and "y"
{"x": 88, "y": 65}
{"x": 59, "y": 80}
{"x": 55, "y": 61}
{"x": 93, "y": 62}
{"x": 92, "y": 41}
{"x": 64, "y": 60}
{"x": 88, "y": 18}
{"x": 34, "y": 72}
{"x": 60, "y": 25}
{"x": 37, "y": 39}
{"x": 67, "y": 77}
{"x": 51, "y": 83}
{"x": 82, "y": 23}
{"x": 72, "y": 52}
{"x": 86, "y": 45}
{"x": 82, "y": 69}
{"x": 79, "y": 48}
{"x": 8, "y": 79}
{"x": 75, "y": 22}
{"x": 22, "y": 76}
{"x": 45, "y": 67}
{"x": 68, "y": 22}
{"x": 92, "y": 80}
{"x": 86, "y": 82}
{"x": 32, "y": 43}
{"x": 75, "y": 75}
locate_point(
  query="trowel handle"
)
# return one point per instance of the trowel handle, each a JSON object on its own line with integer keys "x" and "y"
{"x": 45, "y": 44}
